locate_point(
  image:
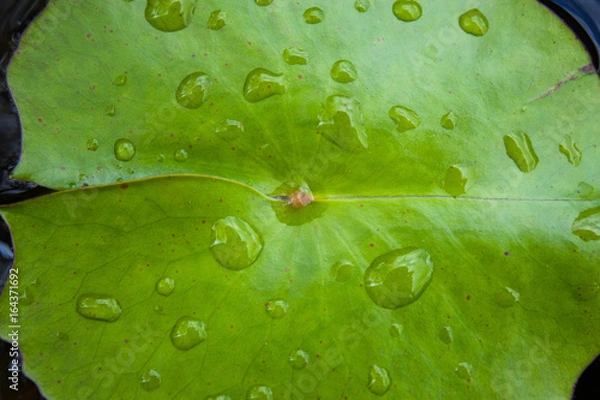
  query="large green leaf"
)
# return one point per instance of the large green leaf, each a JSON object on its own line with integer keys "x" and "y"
{"x": 311, "y": 234}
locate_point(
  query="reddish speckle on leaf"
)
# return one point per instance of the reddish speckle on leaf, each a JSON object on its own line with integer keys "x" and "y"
{"x": 468, "y": 297}
{"x": 506, "y": 253}
{"x": 372, "y": 244}
{"x": 63, "y": 168}
{"x": 124, "y": 186}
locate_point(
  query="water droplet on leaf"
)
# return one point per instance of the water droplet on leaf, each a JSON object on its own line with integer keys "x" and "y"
{"x": 187, "y": 332}
{"x": 407, "y": 10}
{"x": 520, "y": 150}
{"x": 474, "y": 22}
{"x": 570, "y": 150}
{"x": 585, "y": 190}
{"x": 446, "y": 335}
{"x": 586, "y": 291}
{"x": 449, "y": 120}
{"x": 507, "y": 297}
{"x": 26, "y": 296}
{"x": 342, "y": 123}
{"x": 181, "y": 155}
{"x": 313, "y": 15}
{"x": 111, "y": 111}
{"x": 165, "y": 286}
{"x": 277, "y": 308}
{"x": 259, "y": 393}
{"x": 396, "y": 330}
{"x": 587, "y": 224}
{"x": 193, "y": 90}
{"x": 235, "y": 244}
{"x": 405, "y": 118}
{"x": 230, "y": 129}
{"x": 362, "y": 5}
{"x": 455, "y": 181}
{"x": 150, "y": 380}
{"x": 342, "y": 270}
{"x": 99, "y": 307}
{"x": 263, "y": 2}
{"x": 399, "y": 277}
{"x": 464, "y": 370}
{"x": 295, "y": 56}
{"x": 217, "y": 19}
{"x": 92, "y": 145}
{"x": 379, "y": 380}
{"x": 124, "y": 150}
{"x": 343, "y": 71}
{"x": 261, "y": 83}
{"x": 120, "y": 80}
{"x": 218, "y": 397}
{"x": 169, "y": 15}
{"x": 299, "y": 359}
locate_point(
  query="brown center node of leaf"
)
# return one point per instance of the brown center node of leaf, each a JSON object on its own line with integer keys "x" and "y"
{"x": 300, "y": 199}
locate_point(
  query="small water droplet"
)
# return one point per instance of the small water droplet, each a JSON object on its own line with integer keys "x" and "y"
{"x": 446, "y": 335}
{"x": 159, "y": 310}
{"x": 396, "y": 330}
{"x": 570, "y": 150}
{"x": 277, "y": 308}
{"x": 62, "y": 336}
{"x": 464, "y": 370}
{"x": 405, "y": 118}
{"x": 299, "y": 359}
{"x": 585, "y": 190}
{"x": 261, "y": 83}
{"x": 187, "y": 332}
{"x": 379, "y": 380}
{"x": 230, "y": 129}
{"x": 99, "y": 307}
{"x": 218, "y": 397}
{"x": 160, "y": 158}
{"x": 342, "y": 123}
{"x": 455, "y": 181}
{"x": 407, "y": 10}
{"x": 295, "y": 56}
{"x": 181, "y": 155}
{"x": 474, "y": 22}
{"x": 111, "y": 111}
{"x": 449, "y": 120}
{"x": 362, "y": 5}
{"x": 217, "y": 19}
{"x": 235, "y": 244}
{"x": 399, "y": 277}
{"x": 165, "y": 286}
{"x": 342, "y": 270}
{"x": 259, "y": 393}
{"x": 193, "y": 90}
{"x": 507, "y": 297}
{"x": 150, "y": 380}
{"x": 124, "y": 150}
{"x": 587, "y": 224}
{"x": 120, "y": 80}
{"x": 263, "y": 2}
{"x": 313, "y": 15}
{"x": 343, "y": 71}
{"x": 520, "y": 150}
{"x": 169, "y": 15}
{"x": 92, "y": 145}
{"x": 25, "y": 296}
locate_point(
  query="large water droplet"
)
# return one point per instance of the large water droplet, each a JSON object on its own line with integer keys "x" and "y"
{"x": 181, "y": 155}
{"x": 169, "y": 15}
{"x": 165, "y": 286}
{"x": 342, "y": 123}
{"x": 92, "y": 145}
{"x": 342, "y": 270}
{"x": 446, "y": 335}
{"x": 397, "y": 278}
{"x": 455, "y": 181}
{"x": 99, "y": 307}
{"x": 299, "y": 359}
{"x": 313, "y": 15}
{"x": 585, "y": 190}
{"x": 396, "y": 330}
{"x": 261, "y": 83}
{"x": 474, "y": 22}
{"x": 124, "y": 150}
{"x": 277, "y": 308}
{"x": 235, "y": 244}
{"x": 520, "y": 150}
{"x": 379, "y": 380}
{"x": 569, "y": 148}
{"x": 407, "y": 10}
{"x": 464, "y": 370}
{"x": 193, "y": 90}
{"x": 343, "y": 71}
{"x": 587, "y": 224}
{"x": 506, "y": 297}
{"x": 263, "y": 2}
{"x": 295, "y": 56}
{"x": 405, "y": 118}
{"x": 259, "y": 393}
{"x": 187, "y": 332}
{"x": 230, "y": 129}
{"x": 449, "y": 120}
{"x": 217, "y": 19}
{"x": 362, "y": 5}
{"x": 150, "y": 380}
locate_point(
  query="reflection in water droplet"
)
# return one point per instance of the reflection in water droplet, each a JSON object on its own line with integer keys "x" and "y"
{"x": 449, "y": 120}
{"x": 587, "y": 224}
{"x": 295, "y": 56}
{"x": 399, "y": 277}
{"x": 193, "y": 90}
{"x": 396, "y": 330}
{"x": 262, "y": 2}
{"x": 362, "y": 5}
{"x": 259, "y": 393}
{"x": 405, "y": 118}
{"x": 169, "y": 15}
{"x": 124, "y": 150}
{"x": 445, "y": 334}
{"x": 235, "y": 244}
{"x": 299, "y": 359}
{"x": 230, "y": 129}
{"x": 520, "y": 150}
{"x": 343, "y": 71}
{"x": 455, "y": 181}
{"x": 474, "y": 22}
{"x": 507, "y": 297}
{"x": 165, "y": 286}
{"x": 342, "y": 270}
{"x": 187, "y": 332}
{"x": 342, "y": 123}
{"x": 92, "y": 145}
{"x": 277, "y": 308}
{"x": 99, "y": 307}
{"x": 464, "y": 370}
{"x": 407, "y": 10}
{"x": 150, "y": 380}
{"x": 111, "y": 111}
{"x": 120, "y": 80}
{"x": 313, "y": 15}
{"x": 261, "y": 83}
{"x": 585, "y": 190}
{"x": 217, "y": 19}
{"x": 570, "y": 150}
{"x": 379, "y": 380}
{"x": 181, "y": 155}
